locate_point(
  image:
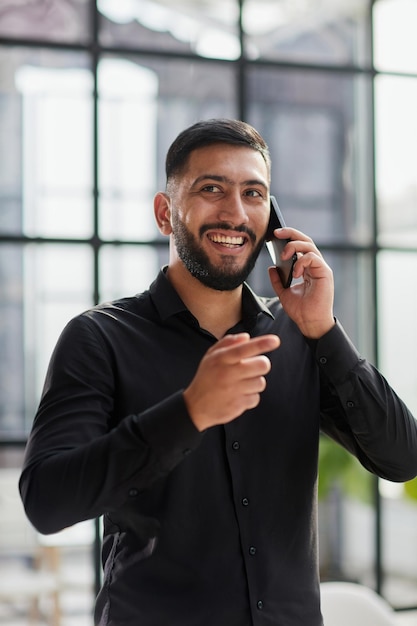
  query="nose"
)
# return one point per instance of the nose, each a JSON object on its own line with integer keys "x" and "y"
{"x": 233, "y": 210}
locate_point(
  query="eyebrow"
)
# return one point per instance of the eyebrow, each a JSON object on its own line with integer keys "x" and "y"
{"x": 224, "y": 179}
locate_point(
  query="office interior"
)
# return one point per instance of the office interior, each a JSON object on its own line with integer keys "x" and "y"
{"x": 92, "y": 93}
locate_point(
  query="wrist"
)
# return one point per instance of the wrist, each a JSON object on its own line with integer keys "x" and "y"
{"x": 316, "y": 330}
{"x": 196, "y": 419}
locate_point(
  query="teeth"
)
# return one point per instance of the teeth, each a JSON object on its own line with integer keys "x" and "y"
{"x": 231, "y": 241}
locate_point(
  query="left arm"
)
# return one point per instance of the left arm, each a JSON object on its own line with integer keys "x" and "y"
{"x": 358, "y": 407}
{"x": 362, "y": 412}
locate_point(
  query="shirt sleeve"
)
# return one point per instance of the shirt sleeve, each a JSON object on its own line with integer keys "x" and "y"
{"x": 76, "y": 465}
{"x": 362, "y": 412}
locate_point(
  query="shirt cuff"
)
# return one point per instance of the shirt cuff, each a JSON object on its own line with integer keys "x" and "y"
{"x": 335, "y": 353}
{"x": 168, "y": 430}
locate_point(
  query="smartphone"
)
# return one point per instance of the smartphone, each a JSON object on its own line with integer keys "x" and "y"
{"x": 275, "y": 246}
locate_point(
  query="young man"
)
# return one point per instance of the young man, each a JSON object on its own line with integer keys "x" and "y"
{"x": 189, "y": 415}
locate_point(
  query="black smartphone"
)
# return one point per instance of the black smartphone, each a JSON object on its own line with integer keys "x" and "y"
{"x": 275, "y": 246}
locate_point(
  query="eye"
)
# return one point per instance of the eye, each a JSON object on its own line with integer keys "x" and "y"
{"x": 254, "y": 193}
{"x": 211, "y": 189}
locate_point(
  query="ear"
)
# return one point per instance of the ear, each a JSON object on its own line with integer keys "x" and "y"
{"x": 162, "y": 210}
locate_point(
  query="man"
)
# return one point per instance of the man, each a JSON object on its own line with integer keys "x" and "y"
{"x": 189, "y": 415}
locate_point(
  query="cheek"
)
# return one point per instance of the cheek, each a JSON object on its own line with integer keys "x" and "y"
{"x": 190, "y": 219}
{"x": 182, "y": 222}
{"x": 260, "y": 225}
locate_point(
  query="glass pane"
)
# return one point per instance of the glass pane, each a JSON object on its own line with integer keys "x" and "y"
{"x": 144, "y": 104}
{"x": 353, "y": 303}
{"x": 50, "y": 21}
{"x": 395, "y": 43}
{"x": 128, "y": 270}
{"x": 396, "y": 156}
{"x": 208, "y": 29}
{"x": 42, "y": 287}
{"x": 307, "y": 31}
{"x": 11, "y": 340}
{"x": 317, "y": 127}
{"x": 128, "y": 136}
{"x": 45, "y": 143}
{"x": 397, "y": 305}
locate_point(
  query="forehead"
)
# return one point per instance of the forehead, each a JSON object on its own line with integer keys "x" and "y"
{"x": 222, "y": 158}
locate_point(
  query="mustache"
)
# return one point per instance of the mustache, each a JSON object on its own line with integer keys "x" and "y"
{"x": 226, "y": 226}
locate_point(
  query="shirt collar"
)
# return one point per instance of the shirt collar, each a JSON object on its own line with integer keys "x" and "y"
{"x": 252, "y": 304}
{"x": 168, "y": 302}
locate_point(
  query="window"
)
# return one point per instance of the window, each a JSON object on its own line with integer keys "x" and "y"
{"x": 91, "y": 96}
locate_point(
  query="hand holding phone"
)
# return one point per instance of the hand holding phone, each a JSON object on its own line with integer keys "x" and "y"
{"x": 275, "y": 246}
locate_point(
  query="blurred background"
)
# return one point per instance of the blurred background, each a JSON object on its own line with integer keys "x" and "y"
{"x": 92, "y": 93}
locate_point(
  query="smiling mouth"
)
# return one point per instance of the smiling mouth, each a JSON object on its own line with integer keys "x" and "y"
{"x": 227, "y": 240}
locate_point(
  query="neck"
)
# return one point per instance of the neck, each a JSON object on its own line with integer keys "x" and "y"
{"x": 216, "y": 311}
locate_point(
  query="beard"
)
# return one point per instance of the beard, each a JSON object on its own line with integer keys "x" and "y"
{"x": 224, "y": 278}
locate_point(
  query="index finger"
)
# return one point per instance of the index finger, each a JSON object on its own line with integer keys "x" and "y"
{"x": 298, "y": 242}
{"x": 286, "y": 232}
{"x": 252, "y": 347}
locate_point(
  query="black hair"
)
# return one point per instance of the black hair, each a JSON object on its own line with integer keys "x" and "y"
{"x": 207, "y": 132}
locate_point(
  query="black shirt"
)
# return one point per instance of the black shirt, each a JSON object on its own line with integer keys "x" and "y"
{"x": 201, "y": 529}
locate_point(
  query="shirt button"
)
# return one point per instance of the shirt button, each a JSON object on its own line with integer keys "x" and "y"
{"x": 252, "y": 550}
{"x": 323, "y": 360}
{"x": 245, "y": 501}
{"x": 133, "y": 492}
{"x": 260, "y": 605}
{"x": 350, "y": 404}
{"x": 235, "y": 445}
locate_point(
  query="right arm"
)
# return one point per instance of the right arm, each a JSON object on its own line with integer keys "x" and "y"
{"x": 76, "y": 466}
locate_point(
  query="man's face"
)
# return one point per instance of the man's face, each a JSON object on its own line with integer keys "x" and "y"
{"x": 220, "y": 211}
